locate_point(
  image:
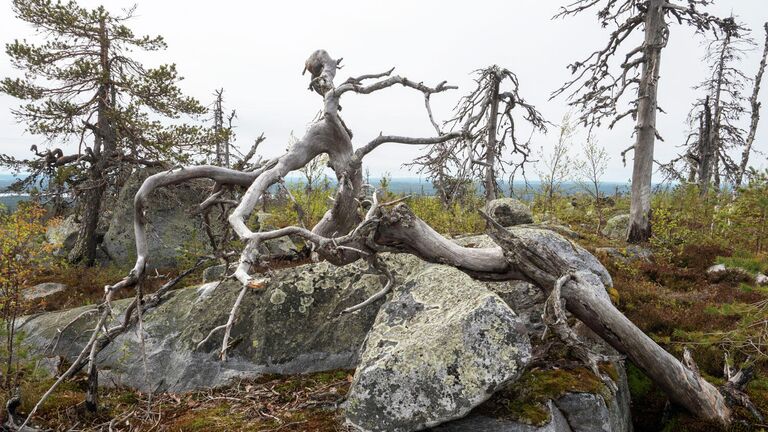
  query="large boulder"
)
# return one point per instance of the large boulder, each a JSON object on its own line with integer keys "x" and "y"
{"x": 509, "y": 212}
{"x": 293, "y": 325}
{"x": 43, "y": 290}
{"x": 63, "y": 235}
{"x": 173, "y": 227}
{"x": 616, "y": 228}
{"x": 439, "y": 348}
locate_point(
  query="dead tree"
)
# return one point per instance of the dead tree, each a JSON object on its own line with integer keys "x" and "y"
{"x": 754, "y": 104}
{"x": 720, "y": 110}
{"x": 485, "y": 119}
{"x": 352, "y": 231}
{"x": 598, "y": 88}
{"x": 222, "y": 132}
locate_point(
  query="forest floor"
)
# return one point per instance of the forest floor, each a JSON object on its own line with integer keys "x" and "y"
{"x": 673, "y": 301}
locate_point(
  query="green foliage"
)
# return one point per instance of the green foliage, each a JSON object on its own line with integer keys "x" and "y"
{"x": 312, "y": 204}
{"x": 459, "y": 218}
{"x": 749, "y": 263}
{"x": 739, "y": 222}
{"x": 23, "y": 253}
{"x": 639, "y": 384}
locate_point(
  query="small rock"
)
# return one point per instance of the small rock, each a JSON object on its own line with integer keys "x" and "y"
{"x": 43, "y": 290}
{"x": 716, "y": 268}
{"x": 214, "y": 273}
{"x": 761, "y": 279}
{"x": 616, "y": 227}
{"x": 509, "y": 212}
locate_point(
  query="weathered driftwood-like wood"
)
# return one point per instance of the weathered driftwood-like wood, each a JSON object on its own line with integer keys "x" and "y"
{"x": 755, "y": 106}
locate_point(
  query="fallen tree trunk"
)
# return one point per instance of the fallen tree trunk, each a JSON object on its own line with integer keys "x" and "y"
{"x": 518, "y": 258}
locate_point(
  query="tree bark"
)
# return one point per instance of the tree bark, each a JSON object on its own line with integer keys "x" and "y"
{"x": 755, "y": 105}
{"x": 491, "y": 145}
{"x": 642, "y": 169}
{"x": 103, "y": 149}
{"x": 707, "y": 153}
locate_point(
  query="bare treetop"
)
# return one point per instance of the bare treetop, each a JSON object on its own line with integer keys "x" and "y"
{"x": 597, "y": 86}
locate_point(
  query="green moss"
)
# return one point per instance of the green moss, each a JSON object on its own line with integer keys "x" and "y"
{"x": 526, "y": 399}
{"x": 639, "y": 384}
{"x": 216, "y": 418}
{"x": 727, "y": 309}
{"x": 533, "y": 413}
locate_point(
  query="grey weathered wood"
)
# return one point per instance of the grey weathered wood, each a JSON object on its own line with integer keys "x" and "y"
{"x": 642, "y": 169}
{"x": 755, "y": 115}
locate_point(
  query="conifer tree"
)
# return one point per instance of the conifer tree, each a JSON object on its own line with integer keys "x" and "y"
{"x": 82, "y": 86}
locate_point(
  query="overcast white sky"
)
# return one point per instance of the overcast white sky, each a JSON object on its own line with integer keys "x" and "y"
{"x": 256, "y": 51}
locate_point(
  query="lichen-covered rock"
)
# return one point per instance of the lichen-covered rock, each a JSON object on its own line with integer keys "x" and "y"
{"x": 485, "y": 423}
{"x": 43, "y": 290}
{"x": 172, "y": 228}
{"x": 63, "y": 235}
{"x": 214, "y": 273}
{"x": 761, "y": 279}
{"x": 509, "y": 212}
{"x": 290, "y": 326}
{"x": 616, "y": 227}
{"x": 440, "y": 347}
{"x": 559, "y": 400}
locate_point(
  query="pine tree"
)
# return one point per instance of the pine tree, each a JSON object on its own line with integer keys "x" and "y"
{"x": 81, "y": 85}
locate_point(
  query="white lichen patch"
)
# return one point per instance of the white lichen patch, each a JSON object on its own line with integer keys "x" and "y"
{"x": 306, "y": 302}
{"x": 305, "y": 286}
{"x": 277, "y": 297}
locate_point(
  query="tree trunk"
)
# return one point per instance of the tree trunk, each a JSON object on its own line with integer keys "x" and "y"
{"x": 716, "y": 115}
{"x": 490, "y": 149}
{"x": 755, "y": 105}
{"x": 642, "y": 170}
{"x": 707, "y": 153}
{"x": 103, "y": 149}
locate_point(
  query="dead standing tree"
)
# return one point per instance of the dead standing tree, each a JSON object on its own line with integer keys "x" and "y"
{"x": 755, "y": 114}
{"x": 485, "y": 119}
{"x": 348, "y": 233}
{"x": 598, "y": 88}
{"x": 719, "y": 112}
